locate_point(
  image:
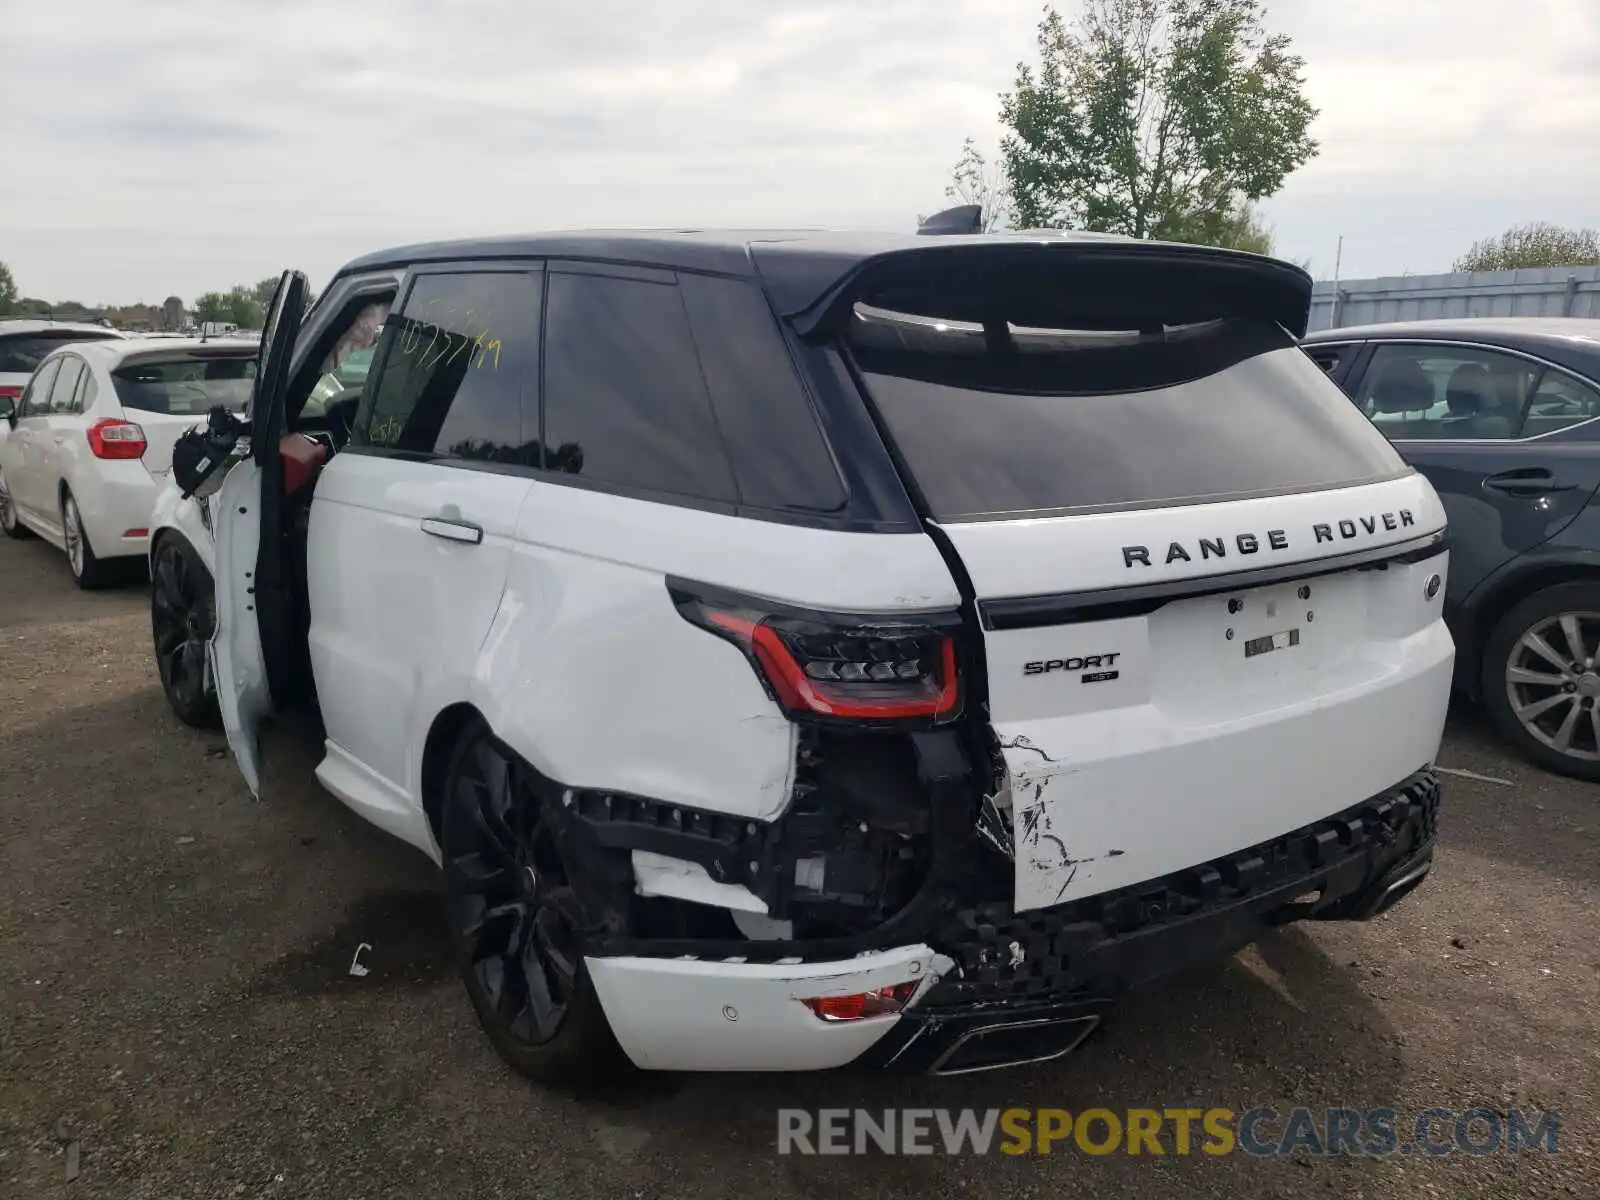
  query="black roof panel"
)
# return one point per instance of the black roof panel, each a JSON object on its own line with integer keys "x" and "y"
{"x": 798, "y": 268}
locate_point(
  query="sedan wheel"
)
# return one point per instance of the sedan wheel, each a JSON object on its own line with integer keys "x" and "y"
{"x": 1553, "y": 691}
{"x": 182, "y": 620}
{"x": 9, "y": 524}
{"x": 1541, "y": 678}
{"x": 87, "y": 570}
{"x": 516, "y": 922}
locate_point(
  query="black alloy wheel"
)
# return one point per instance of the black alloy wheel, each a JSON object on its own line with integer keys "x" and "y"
{"x": 515, "y": 922}
{"x": 182, "y": 621}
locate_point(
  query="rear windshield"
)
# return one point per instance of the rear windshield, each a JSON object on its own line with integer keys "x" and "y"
{"x": 186, "y": 386}
{"x": 1026, "y": 421}
{"x": 21, "y": 353}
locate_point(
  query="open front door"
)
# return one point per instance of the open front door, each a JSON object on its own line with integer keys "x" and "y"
{"x": 237, "y": 661}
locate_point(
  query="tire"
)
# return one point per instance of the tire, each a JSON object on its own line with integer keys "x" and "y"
{"x": 1545, "y": 736}
{"x": 505, "y": 888}
{"x": 88, "y": 572}
{"x": 182, "y": 620}
{"x": 10, "y": 524}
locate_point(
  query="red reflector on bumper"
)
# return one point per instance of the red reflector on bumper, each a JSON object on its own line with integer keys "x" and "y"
{"x": 135, "y": 533}
{"x": 880, "y": 1002}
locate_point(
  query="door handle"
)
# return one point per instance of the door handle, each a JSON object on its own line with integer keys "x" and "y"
{"x": 453, "y": 530}
{"x": 1530, "y": 481}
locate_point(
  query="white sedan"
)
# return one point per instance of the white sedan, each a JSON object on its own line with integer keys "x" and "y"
{"x": 90, "y": 440}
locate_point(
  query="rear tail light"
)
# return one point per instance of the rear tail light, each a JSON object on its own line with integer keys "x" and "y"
{"x": 112, "y": 438}
{"x": 880, "y": 1002}
{"x": 850, "y": 668}
{"x": 10, "y": 393}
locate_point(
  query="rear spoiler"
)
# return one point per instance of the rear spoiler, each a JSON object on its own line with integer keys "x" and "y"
{"x": 1045, "y": 280}
{"x": 964, "y": 218}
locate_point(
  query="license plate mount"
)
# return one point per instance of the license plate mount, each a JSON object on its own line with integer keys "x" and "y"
{"x": 1267, "y": 643}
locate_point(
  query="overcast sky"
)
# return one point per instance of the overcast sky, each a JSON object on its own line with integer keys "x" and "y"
{"x": 178, "y": 147}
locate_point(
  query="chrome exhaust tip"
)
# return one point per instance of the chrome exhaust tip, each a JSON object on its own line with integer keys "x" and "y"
{"x": 1014, "y": 1044}
{"x": 1398, "y": 889}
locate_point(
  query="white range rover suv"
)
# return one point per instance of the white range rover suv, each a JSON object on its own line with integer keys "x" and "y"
{"x": 810, "y": 649}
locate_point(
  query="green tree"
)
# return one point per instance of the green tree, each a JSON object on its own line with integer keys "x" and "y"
{"x": 1538, "y": 244}
{"x": 237, "y": 306}
{"x": 1154, "y": 118}
{"x": 213, "y": 306}
{"x": 1244, "y": 230}
{"x": 244, "y": 311}
{"x": 263, "y": 292}
{"x": 8, "y": 291}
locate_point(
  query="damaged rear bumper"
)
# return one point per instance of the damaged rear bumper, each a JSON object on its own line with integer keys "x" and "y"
{"x": 1000, "y": 988}
{"x": 1059, "y": 969}
{"x": 693, "y": 1015}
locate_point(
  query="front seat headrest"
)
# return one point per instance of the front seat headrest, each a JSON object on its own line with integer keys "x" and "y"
{"x": 1470, "y": 391}
{"x": 1402, "y": 386}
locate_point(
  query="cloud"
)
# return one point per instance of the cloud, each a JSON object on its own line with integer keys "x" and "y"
{"x": 193, "y": 144}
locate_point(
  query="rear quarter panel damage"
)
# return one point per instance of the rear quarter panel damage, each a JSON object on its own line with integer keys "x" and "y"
{"x": 592, "y": 674}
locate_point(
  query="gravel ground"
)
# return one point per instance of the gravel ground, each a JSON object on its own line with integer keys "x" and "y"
{"x": 175, "y": 994}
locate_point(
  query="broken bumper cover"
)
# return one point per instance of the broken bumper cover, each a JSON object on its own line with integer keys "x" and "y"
{"x": 1048, "y": 974}
{"x": 676, "y": 1014}
{"x": 1001, "y": 988}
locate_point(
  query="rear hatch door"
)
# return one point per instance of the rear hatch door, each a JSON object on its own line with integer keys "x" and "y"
{"x": 169, "y": 391}
{"x": 1201, "y": 576}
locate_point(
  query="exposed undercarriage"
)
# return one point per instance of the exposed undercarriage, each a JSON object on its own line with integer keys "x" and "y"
{"x": 897, "y": 838}
{"x": 881, "y": 831}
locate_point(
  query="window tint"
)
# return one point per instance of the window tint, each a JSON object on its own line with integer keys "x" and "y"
{"x": 455, "y": 363}
{"x": 1560, "y": 400}
{"x": 1050, "y": 419}
{"x": 21, "y": 353}
{"x": 624, "y": 399}
{"x": 185, "y": 386}
{"x": 1420, "y": 392}
{"x": 36, "y": 399}
{"x": 88, "y": 392}
{"x": 780, "y": 459}
{"x": 66, "y": 384}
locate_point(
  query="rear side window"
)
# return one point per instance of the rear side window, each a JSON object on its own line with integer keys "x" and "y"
{"x": 36, "y": 396}
{"x": 780, "y": 459}
{"x": 21, "y": 353}
{"x": 625, "y": 402}
{"x": 1559, "y": 401}
{"x": 66, "y": 384}
{"x": 455, "y": 363}
{"x": 1430, "y": 392}
{"x": 1021, "y": 421}
{"x": 185, "y": 386}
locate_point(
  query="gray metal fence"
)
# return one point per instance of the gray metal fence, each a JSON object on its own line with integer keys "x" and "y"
{"x": 1531, "y": 292}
